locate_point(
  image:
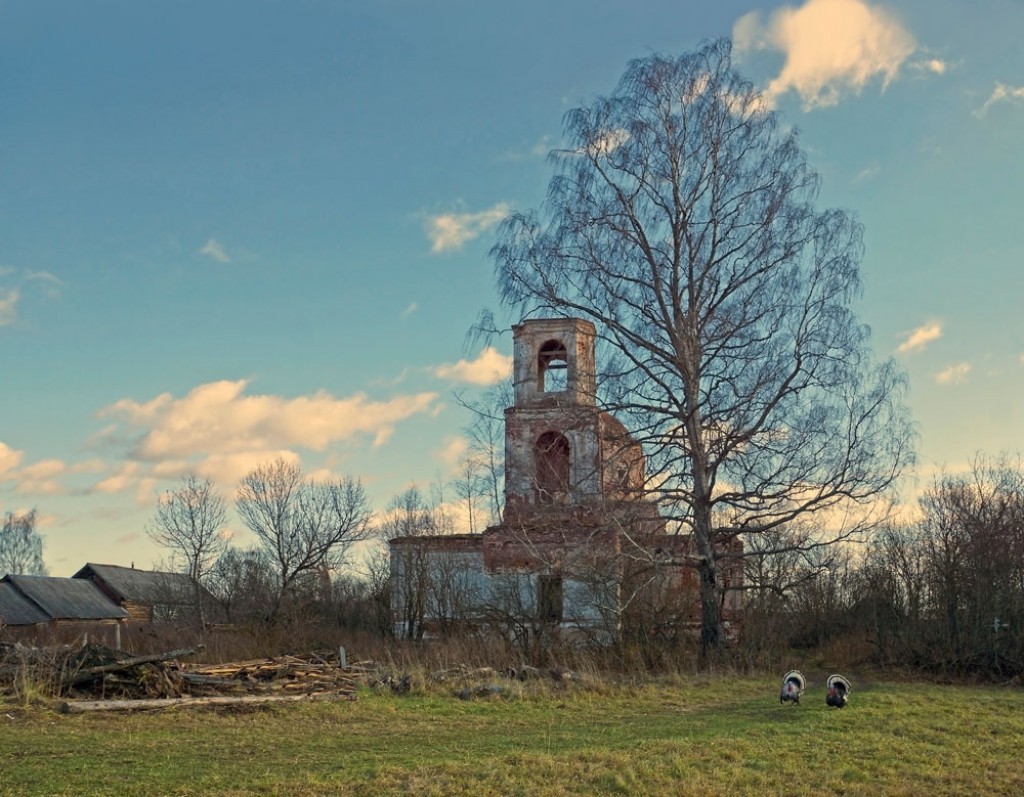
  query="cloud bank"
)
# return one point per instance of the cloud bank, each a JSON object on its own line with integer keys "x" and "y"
{"x": 219, "y": 418}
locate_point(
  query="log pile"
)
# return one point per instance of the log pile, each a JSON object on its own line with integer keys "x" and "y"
{"x": 314, "y": 673}
{"x": 96, "y": 678}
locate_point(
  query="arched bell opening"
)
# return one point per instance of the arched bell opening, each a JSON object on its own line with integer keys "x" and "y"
{"x": 553, "y": 367}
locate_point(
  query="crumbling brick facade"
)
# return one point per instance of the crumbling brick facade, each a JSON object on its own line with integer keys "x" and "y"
{"x": 581, "y": 548}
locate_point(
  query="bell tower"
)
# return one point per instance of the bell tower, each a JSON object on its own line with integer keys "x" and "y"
{"x": 554, "y": 362}
{"x": 552, "y": 449}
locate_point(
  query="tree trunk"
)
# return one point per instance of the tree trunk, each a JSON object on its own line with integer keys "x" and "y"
{"x": 711, "y": 632}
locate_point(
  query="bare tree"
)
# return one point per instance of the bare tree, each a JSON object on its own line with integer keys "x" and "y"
{"x": 242, "y": 581}
{"x": 407, "y": 518}
{"x": 681, "y": 220}
{"x": 467, "y": 485}
{"x": 189, "y": 522}
{"x": 21, "y": 546}
{"x": 304, "y": 526}
{"x": 972, "y": 531}
{"x": 891, "y": 593}
{"x": 486, "y": 434}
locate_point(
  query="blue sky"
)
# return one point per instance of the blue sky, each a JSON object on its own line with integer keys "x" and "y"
{"x": 236, "y": 230}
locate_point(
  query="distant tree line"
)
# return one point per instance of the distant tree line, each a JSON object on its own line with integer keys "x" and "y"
{"x": 943, "y": 592}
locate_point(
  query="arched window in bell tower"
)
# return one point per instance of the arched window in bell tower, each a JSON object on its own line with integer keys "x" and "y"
{"x": 553, "y": 367}
{"x": 551, "y": 461}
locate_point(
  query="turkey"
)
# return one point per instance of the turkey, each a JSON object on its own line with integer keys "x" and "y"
{"x": 838, "y": 691}
{"x": 792, "y": 686}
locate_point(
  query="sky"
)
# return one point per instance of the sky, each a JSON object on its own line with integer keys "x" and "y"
{"x": 232, "y": 231}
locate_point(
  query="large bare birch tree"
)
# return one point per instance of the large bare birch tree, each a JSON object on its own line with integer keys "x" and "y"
{"x": 681, "y": 219}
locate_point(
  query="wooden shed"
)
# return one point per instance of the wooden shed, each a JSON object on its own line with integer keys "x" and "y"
{"x": 146, "y": 595}
{"x": 34, "y": 605}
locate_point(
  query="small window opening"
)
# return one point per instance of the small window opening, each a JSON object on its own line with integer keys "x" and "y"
{"x": 553, "y": 367}
{"x": 549, "y": 598}
{"x": 551, "y": 455}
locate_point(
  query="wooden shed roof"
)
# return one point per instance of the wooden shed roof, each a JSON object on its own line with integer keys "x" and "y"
{"x": 16, "y": 609}
{"x": 126, "y": 584}
{"x": 65, "y": 598}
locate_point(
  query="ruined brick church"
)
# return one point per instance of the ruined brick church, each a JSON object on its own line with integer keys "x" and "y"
{"x": 582, "y": 550}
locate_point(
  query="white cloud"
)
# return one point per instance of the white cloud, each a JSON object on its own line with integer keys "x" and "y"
{"x": 410, "y": 309}
{"x": 490, "y": 367}
{"x": 44, "y": 469}
{"x": 44, "y": 476}
{"x": 934, "y": 65}
{"x": 215, "y": 250}
{"x": 9, "y": 460}
{"x": 41, "y": 478}
{"x": 123, "y": 478}
{"x": 453, "y": 451}
{"x": 9, "y": 306}
{"x": 1001, "y": 93}
{"x": 920, "y": 338}
{"x": 229, "y": 469}
{"x": 611, "y": 140}
{"x": 219, "y": 419}
{"x": 450, "y": 231}
{"x": 830, "y": 46}
{"x": 145, "y": 480}
{"x": 954, "y": 374}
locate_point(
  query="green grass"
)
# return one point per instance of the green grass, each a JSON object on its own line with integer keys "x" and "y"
{"x": 701, "y": 736}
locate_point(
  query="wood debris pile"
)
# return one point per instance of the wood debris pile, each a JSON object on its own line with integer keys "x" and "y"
{"x": 98, "y": 675}
{"x": 309, "y": 674}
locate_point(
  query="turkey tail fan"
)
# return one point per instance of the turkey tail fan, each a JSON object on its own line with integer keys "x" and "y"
{"x": 839, "y": 682}
{"x": 838, "y": 691}
{"x": 793, "y": 684}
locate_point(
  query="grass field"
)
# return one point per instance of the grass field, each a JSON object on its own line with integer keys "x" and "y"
{"x": 696, "y": 736}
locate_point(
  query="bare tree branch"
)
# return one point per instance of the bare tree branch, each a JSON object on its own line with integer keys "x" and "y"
{"x": 304, "y": 526}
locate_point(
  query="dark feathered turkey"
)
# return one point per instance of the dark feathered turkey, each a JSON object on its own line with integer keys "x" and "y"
{"x": 792, "y": 686}
{"x": 838, "y": 691}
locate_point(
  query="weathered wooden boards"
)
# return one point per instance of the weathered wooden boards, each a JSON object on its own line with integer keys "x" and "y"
{"x": 86, "y": 706}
